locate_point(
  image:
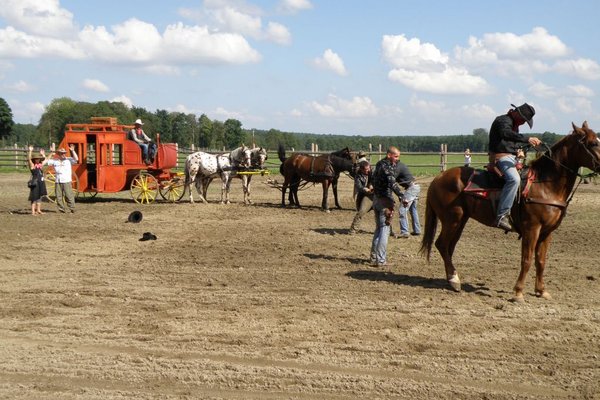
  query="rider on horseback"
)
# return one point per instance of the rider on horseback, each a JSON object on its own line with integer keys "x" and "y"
{"x": 503, "y": 148}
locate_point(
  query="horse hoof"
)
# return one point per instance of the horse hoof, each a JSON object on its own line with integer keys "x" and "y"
{"x": 518, "y": 298}
{"x": 544, "y": 295}
{"x": 454, "y": 282}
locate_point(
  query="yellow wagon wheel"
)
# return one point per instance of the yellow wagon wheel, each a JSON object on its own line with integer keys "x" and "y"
{"x": 50, "y": 180}
{"x": 173, "y": 189}
{"x": 144, "y": 188}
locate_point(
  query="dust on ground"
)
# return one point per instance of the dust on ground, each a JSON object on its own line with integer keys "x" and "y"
{"x": 260, "y": 302}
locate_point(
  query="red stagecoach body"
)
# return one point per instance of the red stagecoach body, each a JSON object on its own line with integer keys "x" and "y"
{"x": 109, "y": 162}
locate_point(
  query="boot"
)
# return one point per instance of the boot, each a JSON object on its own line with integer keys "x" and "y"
{"x": 503, "y": 222}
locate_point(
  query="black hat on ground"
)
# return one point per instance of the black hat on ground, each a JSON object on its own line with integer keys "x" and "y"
{"x": 135, "y": 217}
{"x": 147, "y": 236}
{"x": 527, "y": 112}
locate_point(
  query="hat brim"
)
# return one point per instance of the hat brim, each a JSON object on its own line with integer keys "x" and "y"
{"x": 529, "y": 121}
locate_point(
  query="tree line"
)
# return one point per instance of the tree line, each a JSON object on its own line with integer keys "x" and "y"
{"x": 205, "y": 133}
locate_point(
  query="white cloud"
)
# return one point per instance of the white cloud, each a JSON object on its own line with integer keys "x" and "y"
{"x": 20, "y": 86}
{"x": 580, "y": 90}
{"x": 423, "y": 67}
{"x": 95, "y": 85}
{"x": 278, "y": 33}
{"x": 139, "y": 42}
{"x": 235, "y": 21}
{"x": 296, "y": 113}
{"x": 331, "y": 61}
{"x": 123, "y": 99}
{"x": 357, "y": 107}
{"x": 294, "y": 6}
{"x": 18, "y": 44}
{"x": 537, "y": 44}
{"x": 410, "y": 54}
{"x": 167, "y": 70}
{"x": 449, "y": 81}
{"x": 570, "y": 105}
{"x": 478, "y": 111}
{"x": 583, "y": 68}
{"x": 27, "y": 113}
{"x": 38, "y": 17}
{"x": 540, "y": 89}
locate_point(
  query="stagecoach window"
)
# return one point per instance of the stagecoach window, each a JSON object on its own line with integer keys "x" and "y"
{"x": 117, "y": 151}
{"x": 91, "y": 153}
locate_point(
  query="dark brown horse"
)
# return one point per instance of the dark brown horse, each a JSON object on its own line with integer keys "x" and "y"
{"x": 534, "y": 217}
{"x": 325, "y": 168}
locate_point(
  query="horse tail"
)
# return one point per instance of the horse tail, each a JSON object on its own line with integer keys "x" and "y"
{"x": 430, "y": 227}
{"x": 281, "y": 152}
{"x": 186, "y": 171}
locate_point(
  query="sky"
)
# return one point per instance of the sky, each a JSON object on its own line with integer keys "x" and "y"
{"x": 347, "y": 67}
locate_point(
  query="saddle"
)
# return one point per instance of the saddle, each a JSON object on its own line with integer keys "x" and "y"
{"x": 487, "y": 184}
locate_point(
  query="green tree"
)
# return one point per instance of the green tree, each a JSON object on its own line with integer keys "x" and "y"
{"x": 234, "y": 136}
{"x": 205, "y": 132}
{"x": 218, "y": 135}
{"x": 6, "y": 119}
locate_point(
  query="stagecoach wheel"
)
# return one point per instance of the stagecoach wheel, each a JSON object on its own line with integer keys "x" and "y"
{"x": 173, "y": 189}
{"x": 144, "y": 188}
{"x": 50, "y": 180}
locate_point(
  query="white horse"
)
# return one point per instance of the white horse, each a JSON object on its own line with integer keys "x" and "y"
{"x": 200, "y": 166}
{"x": 258, "y": 156}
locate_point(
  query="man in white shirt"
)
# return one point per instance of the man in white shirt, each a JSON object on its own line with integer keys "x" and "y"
{"x": 62, "y": 174}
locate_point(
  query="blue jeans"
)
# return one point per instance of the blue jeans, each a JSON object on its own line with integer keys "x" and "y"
{"x": 511, "y": 186}
{"x": 411, "y": 209}
{"x": 144, "y": 147}
{"x": 380, "y": 236}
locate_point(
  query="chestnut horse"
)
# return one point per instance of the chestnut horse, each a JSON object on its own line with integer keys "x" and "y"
{"x": 325, "y": 168}
{"x": 535, "y": 216}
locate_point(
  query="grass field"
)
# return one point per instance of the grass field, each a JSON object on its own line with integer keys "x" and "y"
{"x": 420, "y": 164}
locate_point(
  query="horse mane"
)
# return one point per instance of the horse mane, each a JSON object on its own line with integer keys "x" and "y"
{"x": 343, "y": 153}
{"x": 341, "y": 163}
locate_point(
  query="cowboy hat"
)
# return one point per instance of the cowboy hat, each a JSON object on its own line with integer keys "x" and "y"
{"x": 135, "y": 217}
{"x": 139, "y": 122}
{"x": 38, "y": 156}
{"x": 362, "y": 154}
{"x": 527, "y": 112}
{"x": 61, "y": 150}
{"x": 147, "y": 236}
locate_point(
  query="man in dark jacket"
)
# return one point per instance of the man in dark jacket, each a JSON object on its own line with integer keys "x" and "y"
{"x": 505, "y": 143}
{"x": 364, "y": 193}
{"x": 408, "y": 201}
{"x": 384, "y": 187}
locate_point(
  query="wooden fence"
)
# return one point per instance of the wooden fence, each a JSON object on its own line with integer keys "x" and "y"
{"x": 16, "y": 158}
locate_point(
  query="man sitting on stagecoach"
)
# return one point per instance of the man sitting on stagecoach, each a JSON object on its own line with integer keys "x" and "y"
{"x": 148, "y": 148}
{"x": 505, "y": 140}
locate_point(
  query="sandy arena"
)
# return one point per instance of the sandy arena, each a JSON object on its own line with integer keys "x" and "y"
{"x": 260, "y": 302}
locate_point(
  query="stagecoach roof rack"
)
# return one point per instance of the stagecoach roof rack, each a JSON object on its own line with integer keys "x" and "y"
{"x": 99, "y": 124}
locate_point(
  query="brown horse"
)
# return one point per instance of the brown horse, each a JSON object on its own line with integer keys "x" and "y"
{"x": 325, "y": 168}
{"x": 535, "y": 216}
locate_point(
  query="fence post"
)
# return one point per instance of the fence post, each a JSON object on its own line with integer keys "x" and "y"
{"x": 443, "y": 156}
{"x": 16, "y": 156}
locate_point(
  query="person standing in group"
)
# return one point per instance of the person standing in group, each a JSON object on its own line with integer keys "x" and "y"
{"x": 384, "y": 187}
{"x": 504, "y": 145}
{"x": 137, "y": 135}
{"x": 364, "y": 193}
{"x": 62, "y": 173}
{"x": 467, "y": 157}
{"x": 37, "y": 186}
{"x": 408, "y": 201}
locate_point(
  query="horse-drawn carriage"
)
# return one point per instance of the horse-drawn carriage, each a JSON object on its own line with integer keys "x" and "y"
{"x": 109, "y": 162}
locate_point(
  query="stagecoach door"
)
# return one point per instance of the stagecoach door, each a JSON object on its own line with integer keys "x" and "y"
{"x": 90, "y": 160}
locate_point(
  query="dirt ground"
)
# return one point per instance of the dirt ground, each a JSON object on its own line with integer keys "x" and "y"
{"x": 260, "y": 302}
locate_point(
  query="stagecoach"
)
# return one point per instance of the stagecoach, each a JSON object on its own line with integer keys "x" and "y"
{"x": 110, "y": 163}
